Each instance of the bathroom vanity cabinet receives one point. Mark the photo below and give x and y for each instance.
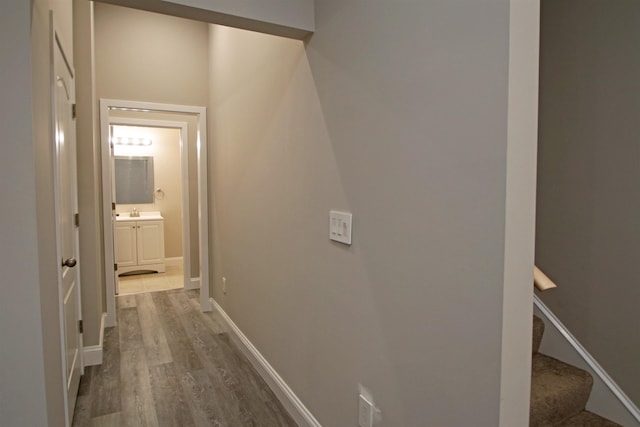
(139, 243)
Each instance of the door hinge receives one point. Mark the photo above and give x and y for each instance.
(73, 111)
(113, 206)
(115, 267)
(76, 219)
(80, 326)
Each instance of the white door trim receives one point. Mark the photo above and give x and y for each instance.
(184, 166)
(203, 214)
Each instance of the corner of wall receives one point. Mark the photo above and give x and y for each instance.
(520, 212)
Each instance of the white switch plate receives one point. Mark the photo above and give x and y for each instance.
(365, 412)
(340, 227)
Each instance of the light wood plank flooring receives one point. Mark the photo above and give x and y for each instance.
(168, 364)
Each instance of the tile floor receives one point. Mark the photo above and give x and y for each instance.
(152, 282)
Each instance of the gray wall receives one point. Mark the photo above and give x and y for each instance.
(398, 115)
(588, 238)
(22, 372)
(292, 13)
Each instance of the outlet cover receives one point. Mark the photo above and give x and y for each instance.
(365, 412)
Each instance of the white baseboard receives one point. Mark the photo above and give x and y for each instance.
(110, 319)
(176, 261)
(287, 397)
(92, 355)
(194, 283)
(607, 398)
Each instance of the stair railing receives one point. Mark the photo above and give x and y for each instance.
(541, 281)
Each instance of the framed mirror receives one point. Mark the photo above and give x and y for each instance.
(133, 179)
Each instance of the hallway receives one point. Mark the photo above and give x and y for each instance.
(168, 364)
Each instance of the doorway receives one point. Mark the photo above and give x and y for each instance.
(114, 113)
(158, 150)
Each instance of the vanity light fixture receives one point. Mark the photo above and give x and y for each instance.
(124, 140)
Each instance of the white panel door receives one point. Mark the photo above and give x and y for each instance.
(150, 242)
(125, 237)
(67, 232)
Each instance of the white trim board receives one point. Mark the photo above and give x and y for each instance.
(607, 398)
(93, 353)
(173, 261)
(287, 397)
(194, 283)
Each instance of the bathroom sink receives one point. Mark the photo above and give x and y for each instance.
(144, 216)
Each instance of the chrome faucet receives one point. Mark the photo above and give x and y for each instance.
(134, 213)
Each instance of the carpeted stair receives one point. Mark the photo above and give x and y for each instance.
(559, 392)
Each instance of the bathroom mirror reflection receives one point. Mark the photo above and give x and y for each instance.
(133, 179)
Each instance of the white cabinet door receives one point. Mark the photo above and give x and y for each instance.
(125, 244)
(150, 242)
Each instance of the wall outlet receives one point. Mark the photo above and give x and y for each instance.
(224, 285)
(365, 412)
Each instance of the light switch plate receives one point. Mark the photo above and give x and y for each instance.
(340, 227)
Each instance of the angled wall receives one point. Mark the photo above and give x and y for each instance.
(288, 18)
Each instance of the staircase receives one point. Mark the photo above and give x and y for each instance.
(559, 392)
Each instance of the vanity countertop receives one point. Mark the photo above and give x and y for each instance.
(144, 216)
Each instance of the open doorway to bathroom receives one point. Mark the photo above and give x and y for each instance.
(150, 209)
(131, 124)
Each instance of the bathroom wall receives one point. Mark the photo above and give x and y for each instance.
(165, 150)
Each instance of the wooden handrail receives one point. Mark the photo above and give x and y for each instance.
(541, 281)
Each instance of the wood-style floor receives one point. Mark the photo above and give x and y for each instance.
(168, 364)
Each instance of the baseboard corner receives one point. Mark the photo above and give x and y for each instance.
(92, 354)
(283, 392)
